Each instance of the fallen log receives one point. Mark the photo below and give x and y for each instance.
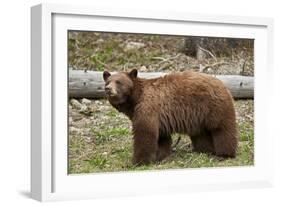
(90, 84)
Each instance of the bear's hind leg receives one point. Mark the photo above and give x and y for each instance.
(203, 143)
(164, 147)
(225, 142)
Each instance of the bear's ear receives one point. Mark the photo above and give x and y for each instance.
(106, 74)
(133, 74)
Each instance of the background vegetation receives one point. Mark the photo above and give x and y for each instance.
(100, 138)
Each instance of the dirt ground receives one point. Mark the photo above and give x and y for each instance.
(100, 138)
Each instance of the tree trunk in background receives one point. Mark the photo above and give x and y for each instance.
(205, 47)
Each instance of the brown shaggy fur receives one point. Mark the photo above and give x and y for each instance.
(191, 103)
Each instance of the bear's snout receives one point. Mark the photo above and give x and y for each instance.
(110, 91)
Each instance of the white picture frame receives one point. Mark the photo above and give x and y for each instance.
(49, 178)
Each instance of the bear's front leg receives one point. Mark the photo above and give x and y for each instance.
(145, 141)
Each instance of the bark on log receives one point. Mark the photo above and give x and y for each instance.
(90, 84)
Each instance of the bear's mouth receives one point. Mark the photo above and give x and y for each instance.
(111, 95)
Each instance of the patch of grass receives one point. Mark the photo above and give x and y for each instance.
(78, 150)
(101, 57)
(97, 161)
(246, 132)
(112, 148)
(109, 134)
(112, 113)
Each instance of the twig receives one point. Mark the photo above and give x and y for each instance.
(186, 145)
(159, 58)
(165, 60)
(213, 65)
(177, 142)
(210, 53)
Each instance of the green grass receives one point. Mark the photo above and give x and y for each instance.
(107, 51)
(111, 148)
(109, 134)
(112, 113)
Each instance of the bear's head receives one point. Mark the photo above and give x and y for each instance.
(119, 86)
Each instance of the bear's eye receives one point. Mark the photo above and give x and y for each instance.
(118, 82)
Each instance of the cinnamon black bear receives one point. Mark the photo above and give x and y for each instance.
(191, 103)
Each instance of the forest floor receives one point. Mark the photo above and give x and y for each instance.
(100, 138)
